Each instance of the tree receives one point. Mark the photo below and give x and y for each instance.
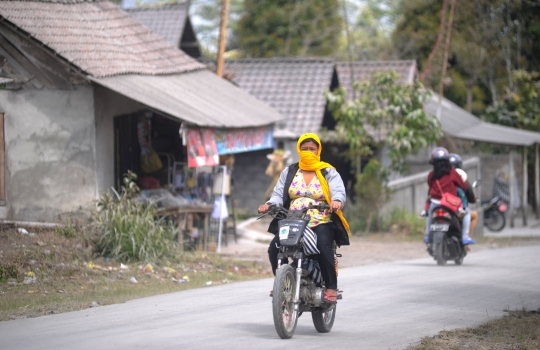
(490, 39)
(206, 16)
(387, 114)
(370, 25)
(520, 107)
(269, 28)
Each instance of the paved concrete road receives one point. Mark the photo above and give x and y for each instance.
(386, 306)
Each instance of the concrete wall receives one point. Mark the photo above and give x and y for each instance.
(109, 104)
(250, 181)
(50, 159)
(411, 192)
(493, 165)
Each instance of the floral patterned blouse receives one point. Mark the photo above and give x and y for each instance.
(303, 195)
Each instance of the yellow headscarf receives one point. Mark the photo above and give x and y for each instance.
(312, 162)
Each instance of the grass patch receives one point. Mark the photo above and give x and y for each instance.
(46, 273)
(516, 330)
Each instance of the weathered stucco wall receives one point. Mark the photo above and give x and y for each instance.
(250, 182)
(109, 104)
(50, 158)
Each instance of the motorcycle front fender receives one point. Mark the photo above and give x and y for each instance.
(438, 237)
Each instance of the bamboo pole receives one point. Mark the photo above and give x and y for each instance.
(437, 42)
(511, 187)
(525, 185)
(222, 37)
(537, 179)
(445, 59)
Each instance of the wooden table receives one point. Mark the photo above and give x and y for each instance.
(181, 220)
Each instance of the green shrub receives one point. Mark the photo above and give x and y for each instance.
(69, 229)
(371, 194)
(127, 229)
(402, 221)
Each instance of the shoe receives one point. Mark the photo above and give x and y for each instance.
(271, 294)
(426, 240)
(468, 241)
(330, 298)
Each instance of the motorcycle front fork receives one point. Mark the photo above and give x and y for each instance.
(296, 299)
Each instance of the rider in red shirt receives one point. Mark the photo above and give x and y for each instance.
(446, 176)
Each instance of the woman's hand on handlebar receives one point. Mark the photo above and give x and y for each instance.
(335, 206)
(263, 209)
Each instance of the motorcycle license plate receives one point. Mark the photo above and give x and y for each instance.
(440, 227)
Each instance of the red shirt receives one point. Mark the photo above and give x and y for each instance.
(449, 183)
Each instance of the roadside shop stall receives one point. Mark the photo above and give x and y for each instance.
(186, 171)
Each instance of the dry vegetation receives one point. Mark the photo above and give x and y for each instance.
(516, 330)
(44, 272)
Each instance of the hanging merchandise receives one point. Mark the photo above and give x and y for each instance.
(210, 148)
(218, 185)
(150, 161)
(220, 208)
(196, 154)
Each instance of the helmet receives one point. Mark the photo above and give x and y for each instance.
(439, 153)
(455, 161)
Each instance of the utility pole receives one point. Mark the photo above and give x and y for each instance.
(446, 50)
(222, 37)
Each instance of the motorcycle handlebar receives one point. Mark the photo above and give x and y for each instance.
(275, 210)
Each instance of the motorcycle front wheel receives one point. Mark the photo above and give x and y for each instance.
(323, 319)
(285, 317)
(494, 220)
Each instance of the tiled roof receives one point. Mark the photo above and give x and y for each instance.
(97, 37)
(293, 86)
(166, 21)
(362, 71)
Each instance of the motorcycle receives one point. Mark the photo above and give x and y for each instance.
(298, 285)
(494, 209)
(445, 237)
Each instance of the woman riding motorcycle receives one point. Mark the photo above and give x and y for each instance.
(311, 181)
(442, 179)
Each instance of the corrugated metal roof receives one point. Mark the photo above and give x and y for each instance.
(98, 37)
(293, 86)
(362, 71)
(459, 123)
(166, 21)
(198, 97)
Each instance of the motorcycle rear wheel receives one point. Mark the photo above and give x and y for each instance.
(323, 319)
(439, 254)
(285, 317)
(494, 220)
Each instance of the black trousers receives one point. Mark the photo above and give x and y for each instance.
(325, 239)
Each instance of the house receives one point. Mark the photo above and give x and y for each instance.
(77, 78)
(295, 88)
(172, 23)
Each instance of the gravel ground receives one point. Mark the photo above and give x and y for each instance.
(363, 250)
